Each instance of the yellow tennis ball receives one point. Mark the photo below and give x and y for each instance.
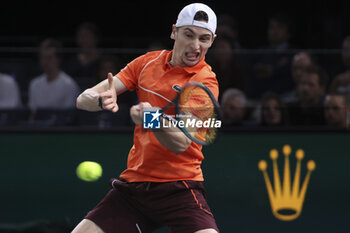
(89, 171)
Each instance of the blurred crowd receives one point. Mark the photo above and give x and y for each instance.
(277, 85)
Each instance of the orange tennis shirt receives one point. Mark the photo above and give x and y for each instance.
(154, 79)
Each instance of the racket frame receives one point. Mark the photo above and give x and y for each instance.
(178, 113)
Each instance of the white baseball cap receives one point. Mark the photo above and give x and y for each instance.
(186, 17)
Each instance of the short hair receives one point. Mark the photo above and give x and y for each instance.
(54, 44)
(321, 73)
(312, 57)
(201, 16)
(233, 92)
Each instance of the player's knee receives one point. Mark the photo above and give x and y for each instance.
(206, 231)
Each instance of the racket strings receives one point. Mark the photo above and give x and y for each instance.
(195, 103)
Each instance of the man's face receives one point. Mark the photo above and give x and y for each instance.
(335, 111)
(309, 88)
(272, 112)
(233, 109)
(191, 44)
(86, 39)
(48, 60)
(222, 51)
(299, 63)
(277, 32)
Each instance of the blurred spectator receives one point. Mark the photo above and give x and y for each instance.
(54, 89)
(155, 46)
(228, 28)
(233, 105)
(336, 110)
(300, 62)
(273, 112)
(308, 109)
(341, 83)
(225, 57)
(106, 119)
(84, 65)
(9, 93)
(271, 67)
(226, 64)
(108, 63)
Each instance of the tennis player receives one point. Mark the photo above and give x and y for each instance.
(163, 182)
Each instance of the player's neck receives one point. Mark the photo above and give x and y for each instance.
(176, 62)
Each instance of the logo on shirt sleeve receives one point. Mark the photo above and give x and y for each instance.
(151, 118)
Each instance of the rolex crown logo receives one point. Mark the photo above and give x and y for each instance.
(287, 200)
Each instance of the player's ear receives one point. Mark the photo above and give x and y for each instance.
(212, 40)
(214, 37)
(173, 31)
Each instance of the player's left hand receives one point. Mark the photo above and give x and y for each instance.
(109, 97)
(136, 112)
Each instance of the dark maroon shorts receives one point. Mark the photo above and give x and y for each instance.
(143, 207)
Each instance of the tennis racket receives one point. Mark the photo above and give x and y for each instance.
(197, 113)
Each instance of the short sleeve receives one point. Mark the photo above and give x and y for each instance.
(130, 73)
(208, 78)
(213, 85)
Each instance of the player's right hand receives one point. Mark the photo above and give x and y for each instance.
(136, 112)
(109, 97)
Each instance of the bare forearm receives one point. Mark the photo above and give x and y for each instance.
(173, 139)
(107, 90)
(88, 100)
